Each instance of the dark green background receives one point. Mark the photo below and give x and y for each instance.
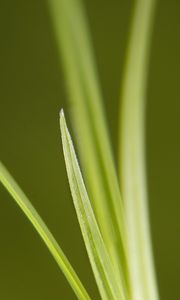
(32, 91)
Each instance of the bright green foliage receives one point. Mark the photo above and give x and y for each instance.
(115, 232)
(88, 121)
(132, 154)
(12, 187)
(103, 270)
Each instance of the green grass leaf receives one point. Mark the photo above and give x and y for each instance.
(103, 270)
(12, 187)
(89, 125)
(132, 153)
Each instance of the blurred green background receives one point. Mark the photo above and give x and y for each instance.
(32, 92)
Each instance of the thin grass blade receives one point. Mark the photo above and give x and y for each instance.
(87, 115)
(18, 195)
(103, 270)
(132, 153)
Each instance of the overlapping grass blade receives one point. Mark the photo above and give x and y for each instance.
(132, 153)
(87, 115)
(12, 187)
(104, 274)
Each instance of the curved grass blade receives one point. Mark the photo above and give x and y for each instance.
(132, 153)
(88, 120)
(12, 187)
(103, 271)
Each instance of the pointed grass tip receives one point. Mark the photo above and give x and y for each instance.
(61, 113)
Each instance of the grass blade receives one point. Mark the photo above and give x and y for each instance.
(132, 153)
(98, 255)
(88, 120)
(9, 183)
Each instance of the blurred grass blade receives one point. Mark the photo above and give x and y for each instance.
(132, 153)
(88, 120)
(99, 258)
(21, 199)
